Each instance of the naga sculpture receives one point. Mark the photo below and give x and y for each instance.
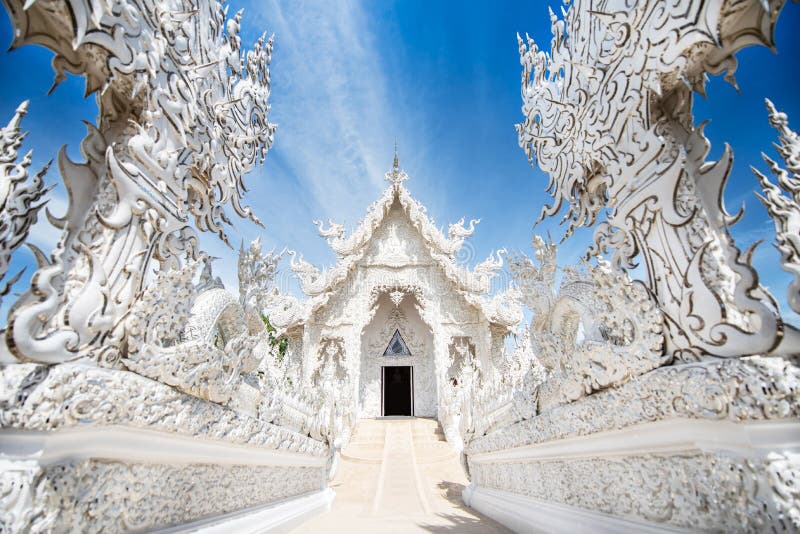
(598, 330)
(162, 344)
(115, 337)
(644, 378)
(183, 116)
(608, 117)
(207, 343)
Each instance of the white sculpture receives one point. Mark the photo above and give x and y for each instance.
(599, 330)
(668, 405)
(785, 210)
(183, 116)
(166, 344)
(609, 118)
(170, 388)
(20, 199)
(512, 397)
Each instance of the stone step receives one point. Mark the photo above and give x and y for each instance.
(368, 437)
(437, 434)
(427, 453)
(361, 457)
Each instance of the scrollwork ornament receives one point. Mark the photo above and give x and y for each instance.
(183, 118)
(784, 209)
(21, 196)
(608, 117)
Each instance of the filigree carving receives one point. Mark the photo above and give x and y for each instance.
(749, 389)
(207, 279)
(783, 472)
(488, 405)
(183, 117)
(785, 210)
(201, 366)
(597, 331)
(534, 283)
(396, 322)
(608, 117)
(631, 342)
(69, 395)
(20, 198)
(102, 496)
(694, 490)
(393, 237)
(256, 277)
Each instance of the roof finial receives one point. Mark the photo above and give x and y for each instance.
(396, 176)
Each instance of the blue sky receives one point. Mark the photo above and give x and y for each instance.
(349, 77)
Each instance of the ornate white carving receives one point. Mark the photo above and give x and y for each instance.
(418, 339)
(534, 283)
(395, 239)
(599, 330)
(693, 490)
(750, 389)
(183, 117)
(207, 364)
(783, 470)
(490, 404)
(207, 279)
(256, 278)
(108, 496)
(631, 342)
(20, 200)
(35, 397)
(785, 210)
(608, 117)
(397, 297)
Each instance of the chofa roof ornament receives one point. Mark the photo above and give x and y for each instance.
(396, 176)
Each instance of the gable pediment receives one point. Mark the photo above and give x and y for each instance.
(396, 243)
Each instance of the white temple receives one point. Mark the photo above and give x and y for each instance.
(138, 394)
(397, 313)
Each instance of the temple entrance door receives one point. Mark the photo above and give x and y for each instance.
(398, 390)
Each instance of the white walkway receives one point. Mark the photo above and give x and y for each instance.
(399, 475)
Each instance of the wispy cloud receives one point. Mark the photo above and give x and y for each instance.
(336, 126)
(331, 103)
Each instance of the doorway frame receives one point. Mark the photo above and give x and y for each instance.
(383, 389)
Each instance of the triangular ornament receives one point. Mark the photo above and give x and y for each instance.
(397, 346)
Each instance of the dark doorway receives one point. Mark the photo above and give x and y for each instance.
(398, 391)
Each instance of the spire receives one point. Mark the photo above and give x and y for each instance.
(396, 176)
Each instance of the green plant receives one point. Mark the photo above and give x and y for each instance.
(281, 342)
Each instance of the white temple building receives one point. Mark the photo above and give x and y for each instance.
(397, 313)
